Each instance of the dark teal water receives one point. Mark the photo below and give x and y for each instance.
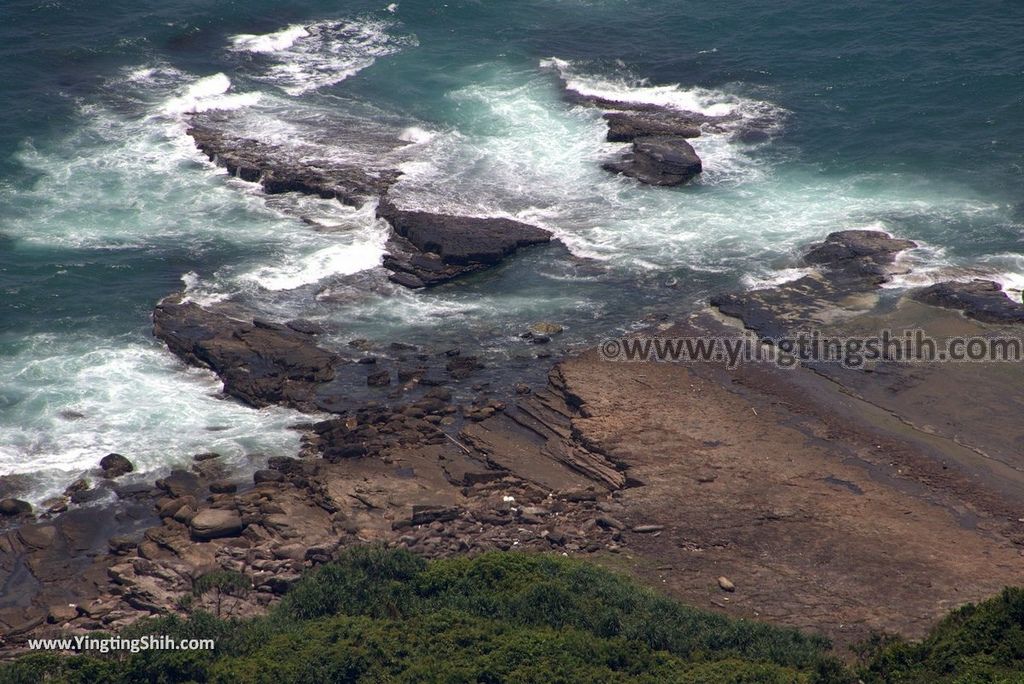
(907, 117)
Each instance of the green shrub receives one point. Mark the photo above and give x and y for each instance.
(387, 615)
(976, 643)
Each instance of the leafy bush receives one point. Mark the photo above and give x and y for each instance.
(976, 643)
(387, 615)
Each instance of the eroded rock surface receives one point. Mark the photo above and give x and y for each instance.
(849, 267)
(658, 160)
(279, 171)
(982, 300)
(429, 249)
(260, 363)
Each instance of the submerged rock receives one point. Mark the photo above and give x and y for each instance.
(545, 328)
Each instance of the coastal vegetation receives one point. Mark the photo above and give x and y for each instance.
(380, 614)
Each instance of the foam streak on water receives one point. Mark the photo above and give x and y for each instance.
(299, 59)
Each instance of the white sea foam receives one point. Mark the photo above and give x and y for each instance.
(207, 94)
(630, 89)
(269, 42)
(306, 58)
(344, 255)
(86, 397)
(522, 153)
(759, 281)
(1007, 269)
(416, 135)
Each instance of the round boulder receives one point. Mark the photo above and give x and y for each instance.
(213, 523)
(12, 507)
(115, 465)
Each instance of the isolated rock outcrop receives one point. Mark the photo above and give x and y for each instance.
(628, 126)
(115, 465)
(659, 160)
(429, 249)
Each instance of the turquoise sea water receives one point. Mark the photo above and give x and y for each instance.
(907, 117)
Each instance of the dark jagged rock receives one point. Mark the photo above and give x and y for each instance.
(628, 126)
(258, 365)
(859, 252)
(659, 160)
(982, 300)
(429, 249)
(115, 465)
(277, 172)
(848, 262)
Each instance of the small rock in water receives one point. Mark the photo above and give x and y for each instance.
(210, 455)
(726, 585)
(79, 485)
(58, 504)
(647, 529)
(380, 378)
(301, 325)
(115, 465)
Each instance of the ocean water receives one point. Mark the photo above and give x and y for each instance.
(907, 117)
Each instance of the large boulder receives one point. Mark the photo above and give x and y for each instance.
(429, 248)
(260, 364)
(213, 523)
(659, 160)
(115, 465)
(14, 507)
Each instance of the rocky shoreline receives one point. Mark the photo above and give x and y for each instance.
(766, 493)
(562, 467)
